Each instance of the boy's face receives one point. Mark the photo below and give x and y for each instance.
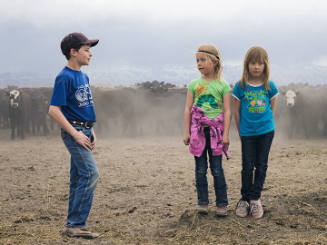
(82, 56)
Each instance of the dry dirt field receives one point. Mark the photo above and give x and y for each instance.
(146, 194)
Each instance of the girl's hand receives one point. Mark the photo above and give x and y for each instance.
(225, 140)
(187, 139)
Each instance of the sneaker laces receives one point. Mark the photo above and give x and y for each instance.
(255, 208)
(222, 208)
(242, 204)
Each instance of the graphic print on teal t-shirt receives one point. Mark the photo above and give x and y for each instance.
(256, 99)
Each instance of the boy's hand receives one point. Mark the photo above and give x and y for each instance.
(83, 140)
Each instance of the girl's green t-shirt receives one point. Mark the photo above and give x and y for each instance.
(209, 95)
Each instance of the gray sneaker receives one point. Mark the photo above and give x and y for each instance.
(221, 211)
(79, 232)
(242, 209)
(256, 209)
(202, 209)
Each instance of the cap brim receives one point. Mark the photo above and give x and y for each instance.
(92, 43)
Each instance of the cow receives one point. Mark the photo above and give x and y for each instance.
(116, 111)
(290, 96)
(39, 109)
(4, 111)
(306, 111)
(16, 113)
(133, 112)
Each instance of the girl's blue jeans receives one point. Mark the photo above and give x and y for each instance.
(201, 166)
(255, 152)
(83, 179)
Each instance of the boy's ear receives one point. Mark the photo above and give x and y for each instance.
(72, 52)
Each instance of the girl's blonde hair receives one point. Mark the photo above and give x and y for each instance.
(260, 55)
(214, 55)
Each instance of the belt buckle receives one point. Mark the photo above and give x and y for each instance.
(88, 125)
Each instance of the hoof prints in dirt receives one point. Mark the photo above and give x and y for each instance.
(302, 218)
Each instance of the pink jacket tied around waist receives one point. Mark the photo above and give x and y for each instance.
(198, 139)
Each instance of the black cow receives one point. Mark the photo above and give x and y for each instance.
(39, 109)
(4, 112)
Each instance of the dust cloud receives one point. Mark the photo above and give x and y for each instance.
(156, 112)
(130, 112)
(134, 112)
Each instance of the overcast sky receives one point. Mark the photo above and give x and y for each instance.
(143, 38)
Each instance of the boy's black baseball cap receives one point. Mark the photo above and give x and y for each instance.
(76, 40)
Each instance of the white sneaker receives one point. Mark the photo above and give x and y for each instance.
(202, 209)
(242, 208)
(221, 211)
(256, 209)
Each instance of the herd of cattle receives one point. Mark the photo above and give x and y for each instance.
(24, 111)
(145, 111)
(302, 111)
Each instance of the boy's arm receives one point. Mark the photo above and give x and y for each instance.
(227, 117)
(237, 105)
(79, 137)
(93, 139)
(187, 116)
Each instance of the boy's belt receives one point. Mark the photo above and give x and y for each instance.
(83, 124)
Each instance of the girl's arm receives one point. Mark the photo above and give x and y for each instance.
(227, 117)
(273, 104)
(187, 116)
(237, 105)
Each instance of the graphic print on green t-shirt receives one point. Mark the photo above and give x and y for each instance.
(209, 99)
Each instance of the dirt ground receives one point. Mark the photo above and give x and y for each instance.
(146, 194)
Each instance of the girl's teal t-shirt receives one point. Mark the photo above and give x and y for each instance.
(256, 116)
(209, 95)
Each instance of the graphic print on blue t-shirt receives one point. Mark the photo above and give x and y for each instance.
(256, 99)
(83, 95)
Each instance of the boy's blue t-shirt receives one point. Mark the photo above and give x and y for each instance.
(72, 93)
(256, 116)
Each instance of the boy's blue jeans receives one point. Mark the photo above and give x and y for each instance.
(83, 179)
(255, 152)
(201, 166)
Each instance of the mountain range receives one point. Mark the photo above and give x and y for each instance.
(127, 75)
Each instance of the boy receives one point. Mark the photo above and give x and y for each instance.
(72, 108)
